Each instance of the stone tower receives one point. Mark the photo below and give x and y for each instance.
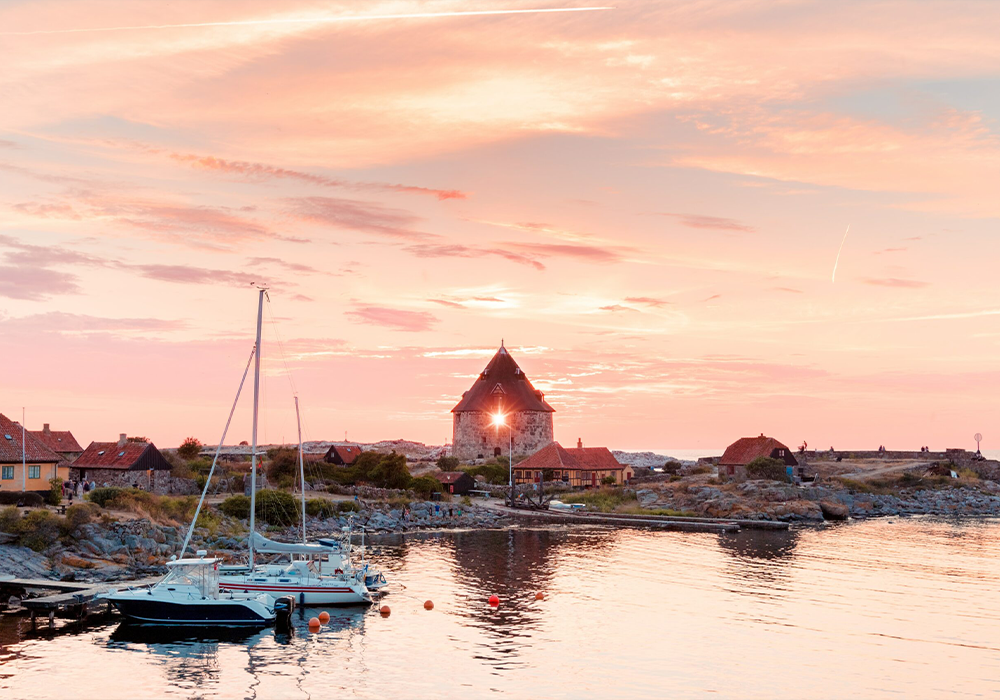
(502, 388)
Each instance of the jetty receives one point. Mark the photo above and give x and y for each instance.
(73, 599)
(660, 522)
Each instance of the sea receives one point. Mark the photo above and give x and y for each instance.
(888, 608)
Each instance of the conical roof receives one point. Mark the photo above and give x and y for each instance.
(502, 386)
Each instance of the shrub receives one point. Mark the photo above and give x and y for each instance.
(104, 495)
(609, 481)
(39, 530)
(77, 515)
(236, 507)
(190, 448)
(425, 486)
(493, 472)
(767, 468)
(321, 508)
(447, 464)
(26, 499)
(282, 466)
(277, 508)
(9, 519)
(348, 507)
(672, 466)
(54, 496)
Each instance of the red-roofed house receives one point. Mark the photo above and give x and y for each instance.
(342, 454)
(577, 466)
(456, 482)
(737, 456)
(29, 469)
(124, 463)
(61, 442)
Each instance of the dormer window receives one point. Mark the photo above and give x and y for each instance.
(101, 452)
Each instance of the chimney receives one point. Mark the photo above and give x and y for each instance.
(122, 439)
(579, 443)
(45, 429)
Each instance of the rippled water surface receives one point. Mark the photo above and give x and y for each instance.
(904, 608)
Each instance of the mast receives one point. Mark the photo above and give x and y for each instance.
(24, 469)
(256, 401)
(302, 470)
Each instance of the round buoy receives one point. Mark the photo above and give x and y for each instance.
(385, 611)
(324, 617)
(428, 605)
(539, 596)
(314, 624)
(494, 600)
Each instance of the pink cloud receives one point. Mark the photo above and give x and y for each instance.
(648, 301)
(35, 283)
(897, 283)
(395, 319)
(457, 250)
(361, 216)
(716, 223)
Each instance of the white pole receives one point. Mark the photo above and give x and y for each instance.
(256, 399)
(24, 469)
(218, 449)
(302, 470)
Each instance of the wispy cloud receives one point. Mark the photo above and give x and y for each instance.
(357, 215)
(35, 283)
(395, 319)
(259, 171)
(457, 250)
(716, 223)
(895, 282)
(586, 253)
(648, 301)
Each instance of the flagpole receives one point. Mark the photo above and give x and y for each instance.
(24, 469)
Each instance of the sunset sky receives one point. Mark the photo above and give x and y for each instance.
(645, 203)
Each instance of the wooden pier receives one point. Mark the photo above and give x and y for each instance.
(661, 522)
(72, 599)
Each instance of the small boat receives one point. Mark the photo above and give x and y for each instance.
(302, 578)
(190, 595)
(559, 505)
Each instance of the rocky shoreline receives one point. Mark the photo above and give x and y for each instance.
(768, 500)
(108, 551)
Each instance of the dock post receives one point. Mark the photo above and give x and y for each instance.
(52, 619)
(32, 620)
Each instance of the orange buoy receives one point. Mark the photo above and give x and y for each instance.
(385, 611)
(428, 605)
(539, 596)
(324, 617)
(314, 624)
(494, 600)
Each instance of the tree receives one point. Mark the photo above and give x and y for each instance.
(767, 468)
(391, 472)
(283, 466)
(447, 464)
(190, 448)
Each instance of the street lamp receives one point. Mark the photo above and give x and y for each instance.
(498, 420)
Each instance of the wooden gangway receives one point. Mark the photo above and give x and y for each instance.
(74, 598)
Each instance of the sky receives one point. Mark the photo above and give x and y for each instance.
(644, 203)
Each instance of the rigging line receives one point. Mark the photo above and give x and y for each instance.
(215, 460)
(281, 349)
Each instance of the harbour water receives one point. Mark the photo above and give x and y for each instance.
(876, 609)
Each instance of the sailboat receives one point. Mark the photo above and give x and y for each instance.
(190, 593)
(300, 578)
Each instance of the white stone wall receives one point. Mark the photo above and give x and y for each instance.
(474, 436)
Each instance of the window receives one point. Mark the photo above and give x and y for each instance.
(8, 473)
(34, 471)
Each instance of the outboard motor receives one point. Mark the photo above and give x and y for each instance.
(283, 609)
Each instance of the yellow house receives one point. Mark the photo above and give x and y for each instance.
(28, 468)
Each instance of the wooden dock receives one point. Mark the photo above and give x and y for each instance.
(69, 598)
(661, 522)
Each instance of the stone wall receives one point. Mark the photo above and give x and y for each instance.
(475, 437)
(159, 482)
